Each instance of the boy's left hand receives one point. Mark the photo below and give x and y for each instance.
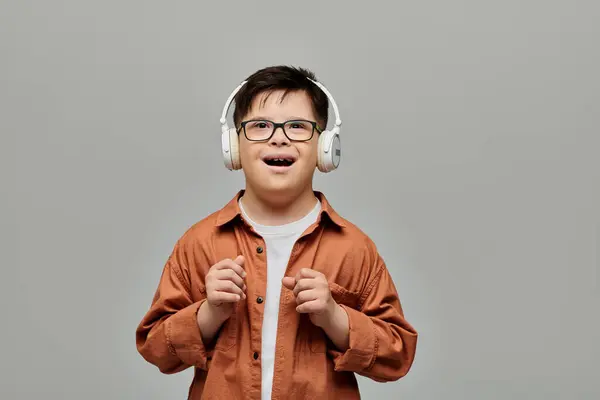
(313, 295)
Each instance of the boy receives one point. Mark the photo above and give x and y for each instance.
(276, 296)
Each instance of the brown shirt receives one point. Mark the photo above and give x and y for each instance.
(307, 364)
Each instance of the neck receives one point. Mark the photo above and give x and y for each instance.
(269, 209)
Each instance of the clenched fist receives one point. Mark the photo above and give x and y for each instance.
(225, 286)
(313, 295)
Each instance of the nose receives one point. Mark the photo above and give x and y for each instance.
(279, 138)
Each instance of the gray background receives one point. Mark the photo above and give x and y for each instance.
(470, 138)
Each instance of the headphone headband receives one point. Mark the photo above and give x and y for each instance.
(338, 120)
(223, 120)
(228, 104)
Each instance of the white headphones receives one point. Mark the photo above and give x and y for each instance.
(329, 150)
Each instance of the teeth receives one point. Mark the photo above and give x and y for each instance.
(279, 160)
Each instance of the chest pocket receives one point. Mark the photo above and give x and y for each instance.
(344, 296)
(341, 295)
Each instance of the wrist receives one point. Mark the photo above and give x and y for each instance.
(209, 321)
(333, 317)
(213, 314)
(340, 317)
(336, 327)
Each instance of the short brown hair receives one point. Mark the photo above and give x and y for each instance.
(281, 77)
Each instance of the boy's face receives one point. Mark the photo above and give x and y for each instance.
(264, 173)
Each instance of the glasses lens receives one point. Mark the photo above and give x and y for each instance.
(299, 130)
(259, 130)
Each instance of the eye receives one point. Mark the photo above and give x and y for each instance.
(299, 125)
(259, 125)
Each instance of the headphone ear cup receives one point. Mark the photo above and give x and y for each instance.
(234, 149)
(225, 149)
(329, 151)
(321, 152)
(230, 149)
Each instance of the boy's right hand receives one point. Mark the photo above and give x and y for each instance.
(225, 286)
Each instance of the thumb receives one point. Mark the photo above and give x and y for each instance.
(289, 282)
(239, 260)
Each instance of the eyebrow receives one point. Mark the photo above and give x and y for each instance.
(291, 118)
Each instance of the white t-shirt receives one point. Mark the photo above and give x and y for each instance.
(279, 241)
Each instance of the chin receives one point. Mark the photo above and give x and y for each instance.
(278, 188)
(273, 182)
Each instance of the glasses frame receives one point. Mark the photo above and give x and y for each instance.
(279, 125)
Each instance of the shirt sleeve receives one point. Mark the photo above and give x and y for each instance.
(168, 335)
(382, 343)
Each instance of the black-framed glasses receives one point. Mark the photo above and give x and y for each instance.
(298, 130)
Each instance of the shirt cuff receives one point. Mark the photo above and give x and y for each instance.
(360, 354)
(184, 338)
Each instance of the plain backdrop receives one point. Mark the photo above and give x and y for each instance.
(470, 155)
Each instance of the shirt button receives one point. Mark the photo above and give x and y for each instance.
(255, 356)
(259, 249)
(259, 300)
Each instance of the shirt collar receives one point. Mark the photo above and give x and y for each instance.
(232, 210)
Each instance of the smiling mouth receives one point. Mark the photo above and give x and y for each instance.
(279, 162)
